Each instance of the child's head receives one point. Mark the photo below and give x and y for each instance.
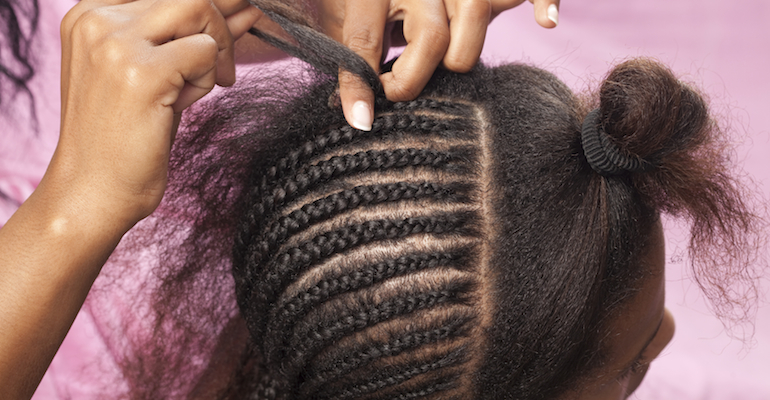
(466, 247)
(493, 239)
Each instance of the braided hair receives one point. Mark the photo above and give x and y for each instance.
(464, 248)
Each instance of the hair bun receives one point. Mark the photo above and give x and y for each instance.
(649, 113)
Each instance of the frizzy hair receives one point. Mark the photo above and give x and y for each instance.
(463, 248)
(19, 25)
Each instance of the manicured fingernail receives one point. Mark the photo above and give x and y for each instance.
(362, 116)
(553, 14)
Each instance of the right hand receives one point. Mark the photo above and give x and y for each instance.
(436, 32)
(128, 70)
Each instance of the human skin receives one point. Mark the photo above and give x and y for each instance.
(129, 68)
(449, 33)
(642, 326)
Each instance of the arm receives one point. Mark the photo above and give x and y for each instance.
(124, 83)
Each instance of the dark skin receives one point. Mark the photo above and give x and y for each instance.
(448, 33)
(129, 68)
(639, 333)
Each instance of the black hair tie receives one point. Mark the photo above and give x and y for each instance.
(604, 156)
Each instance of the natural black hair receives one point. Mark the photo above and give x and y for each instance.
(464, 248)
(18, 24)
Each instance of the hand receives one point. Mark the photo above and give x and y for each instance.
(437, 32)
(128, 70)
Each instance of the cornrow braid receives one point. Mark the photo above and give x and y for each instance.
(291, 187)
(412, 338)
(294, 308)
(429, 104)
(383, 126)
(386, 378)
(361, 250)
(447, 382)
(314, 336)
(359, 196)
(339, 166)
(293, 261)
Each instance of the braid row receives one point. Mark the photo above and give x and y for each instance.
(381, 127)
(365, 195)
(409, 340)
(288, 264)
(387, 378)
(314, 336)
(447, 383)
(335, 299)
(287, 313)
(348, 164)
(337, 167)
(444, 107)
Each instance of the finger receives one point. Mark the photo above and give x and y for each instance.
(427, 36)
(230, 7)
(362, 32)
(363, 29)
(468, 22)
(193, 60)
(546, 12)
(172, 19)
(499, 6)
(240, 22)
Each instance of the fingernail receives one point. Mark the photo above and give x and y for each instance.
(553, 14)
(362, 116)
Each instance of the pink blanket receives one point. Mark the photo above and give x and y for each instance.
(720, 46)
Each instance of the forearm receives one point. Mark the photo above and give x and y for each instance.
(51, 251)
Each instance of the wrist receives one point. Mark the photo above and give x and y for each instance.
(97, 198)
(76, 207)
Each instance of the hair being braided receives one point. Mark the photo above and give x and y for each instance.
(462, 249)
(333, 230)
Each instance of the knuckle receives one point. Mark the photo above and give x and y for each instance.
(204, 9)
(200, 5)
(209, 47)
(363, 41)
(72, 16)
(68, 21)
(127, 67)
(111, 52)
(402, 92)
(479, 6)
(461, 64)
(438, 35)
(90, 26)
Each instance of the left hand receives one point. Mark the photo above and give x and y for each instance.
(437, 32)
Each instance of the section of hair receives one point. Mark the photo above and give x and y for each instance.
(366, 247)
(463, 248)
(653, 115)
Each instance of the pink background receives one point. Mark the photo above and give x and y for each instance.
(723, 47)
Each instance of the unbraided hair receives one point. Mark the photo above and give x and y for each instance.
(462, 249)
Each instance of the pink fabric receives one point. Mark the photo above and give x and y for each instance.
(721, 46)
(24, 154)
